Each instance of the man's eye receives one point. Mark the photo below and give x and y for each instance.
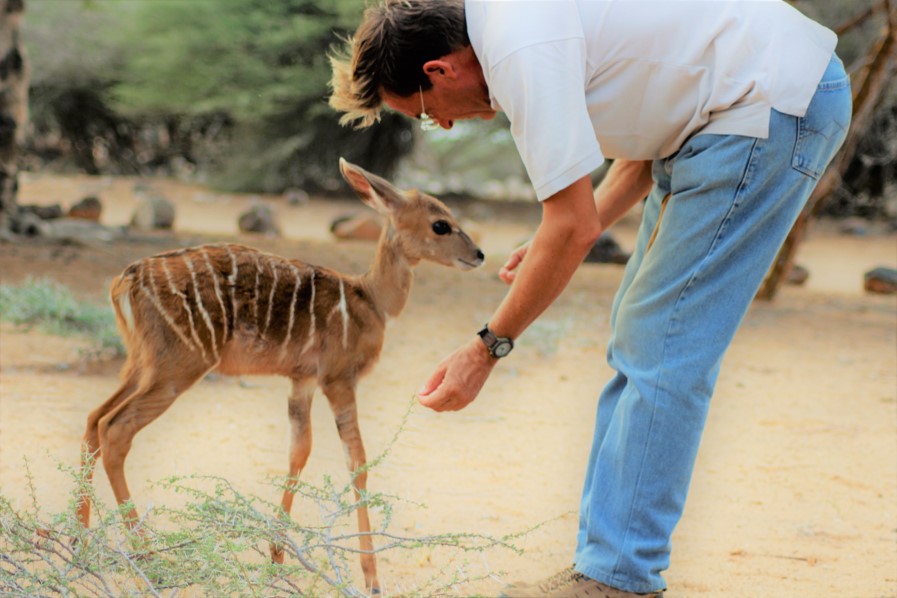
(441, 227)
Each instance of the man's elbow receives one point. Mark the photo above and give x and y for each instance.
(580, 234)
(572, 214)
(586, 234)
(584, 228)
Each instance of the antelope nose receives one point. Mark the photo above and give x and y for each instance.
(480, 255)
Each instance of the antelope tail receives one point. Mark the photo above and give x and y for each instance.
(120, 292)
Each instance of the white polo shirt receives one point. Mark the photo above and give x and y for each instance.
(581, 80)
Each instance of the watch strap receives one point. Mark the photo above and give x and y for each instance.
(498, 346)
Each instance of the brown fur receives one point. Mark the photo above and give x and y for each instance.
(242, 311)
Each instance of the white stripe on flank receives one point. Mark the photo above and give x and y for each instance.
(175, 291)
(345, 312)
(255, 295)
(232, 282)
(202, 309)
(214, 274)
(153, 296)
(124, 306)
(311, 313)
(273, 265)
(286, 340)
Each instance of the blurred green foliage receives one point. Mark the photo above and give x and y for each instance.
(248, 58)
(237, 87)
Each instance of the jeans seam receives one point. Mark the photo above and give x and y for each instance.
(797, 161)
(834, 85)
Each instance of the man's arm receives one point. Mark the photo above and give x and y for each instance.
(568, 229)
(626, 183)
(572, 220)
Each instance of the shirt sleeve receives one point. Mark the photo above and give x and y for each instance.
(541, 88)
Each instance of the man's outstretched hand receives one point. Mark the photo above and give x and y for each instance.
(458, 379)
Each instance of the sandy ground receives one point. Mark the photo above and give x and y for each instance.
(795, 491)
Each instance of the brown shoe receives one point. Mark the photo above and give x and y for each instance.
(569, 583)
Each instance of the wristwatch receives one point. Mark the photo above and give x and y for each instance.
(498, 346)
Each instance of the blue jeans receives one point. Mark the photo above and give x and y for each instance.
(731, 201)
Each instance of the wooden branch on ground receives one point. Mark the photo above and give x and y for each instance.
(869, 90)
(855, 21)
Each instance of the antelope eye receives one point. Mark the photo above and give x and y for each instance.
(441, 227)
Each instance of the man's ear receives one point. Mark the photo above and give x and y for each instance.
(440, 68)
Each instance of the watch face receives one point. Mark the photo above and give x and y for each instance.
(501, 349)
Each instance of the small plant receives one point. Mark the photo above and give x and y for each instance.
(53, 308)
(215, 545)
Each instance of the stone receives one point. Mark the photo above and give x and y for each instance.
(29, 224)
(798, 275)
(50, 212)
(881, 280)
(153, 213)
(606, 250)
(88, 208)
(258, 219)
(296, 197)
(80, 230)
(360, 227)
(856, 227)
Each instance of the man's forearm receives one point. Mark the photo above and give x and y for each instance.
(568, 229)
(627, 182)
(570, 225)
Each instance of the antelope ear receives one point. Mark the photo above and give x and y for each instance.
(375, 191)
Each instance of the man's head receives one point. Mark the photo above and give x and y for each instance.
(401, 49)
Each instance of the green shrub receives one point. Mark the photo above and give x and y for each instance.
(54, 309)
(217, 544)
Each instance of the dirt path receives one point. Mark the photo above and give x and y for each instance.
(795, 491)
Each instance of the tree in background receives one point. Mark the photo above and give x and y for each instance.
(14, 75)
(237, 89)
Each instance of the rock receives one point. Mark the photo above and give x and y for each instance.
(65, 230)
(82, 231)
(88, 208)
(259, 219)
(854, 226)
(50, 212)
(153, 213)
(606, 250)
(361, 227)
(881, 280)
(295, 197)
(28, 224)
(798, 275)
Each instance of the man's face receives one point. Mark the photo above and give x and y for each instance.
(444, 103)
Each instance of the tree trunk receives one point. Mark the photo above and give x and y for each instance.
(14, 80)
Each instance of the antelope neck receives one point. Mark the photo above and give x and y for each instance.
(389, 280)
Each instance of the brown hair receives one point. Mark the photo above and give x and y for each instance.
(388, 51)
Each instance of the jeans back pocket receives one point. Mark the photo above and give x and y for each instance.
(821, 131)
